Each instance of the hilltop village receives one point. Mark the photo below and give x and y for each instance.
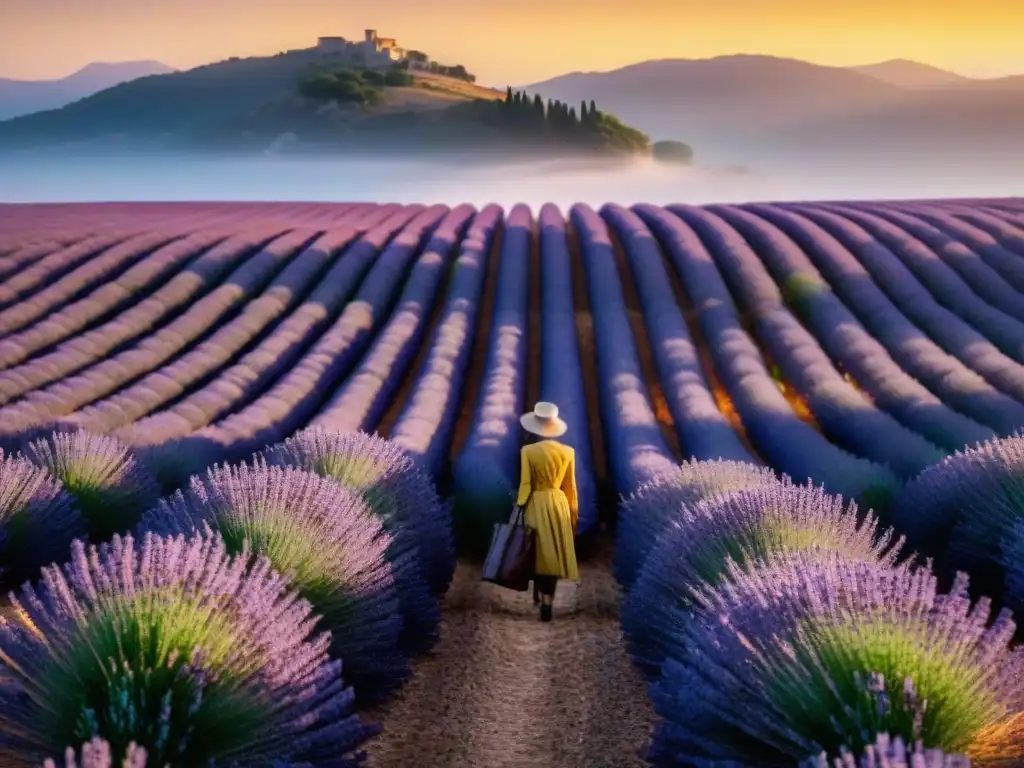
(375, 52)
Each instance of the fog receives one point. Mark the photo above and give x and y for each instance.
(79, 178)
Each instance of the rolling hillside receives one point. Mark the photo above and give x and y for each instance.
(23, 97)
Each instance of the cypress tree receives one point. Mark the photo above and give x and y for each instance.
(508, 94)
(593, 111)
(583, 111)
(538, 108)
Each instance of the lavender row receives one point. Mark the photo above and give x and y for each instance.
(98, 270)
(485, 475)
(361, 400)
(49, 268)
(273, 356)
(425, 425)
(62, 315)
(299, 392)
(943, 374)
(784, 441)
(870, 260)
(561, 372)
(134, 322)
(969, 242)
(636, 448)
(255, 319)
(40, 406)
(1006, 332)
(704, 432)
(843, 413)
(981, 277)
(19, 256)
(1003, 232)
(845, 340)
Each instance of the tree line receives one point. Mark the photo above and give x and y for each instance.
(588, 125)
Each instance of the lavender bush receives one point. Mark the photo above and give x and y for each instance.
(755, 524)
(324, 538)
(773, 667)
(398, 491)
(38, 519)
(645, 514)
(960, 510)
(197, 657)
(110, 486)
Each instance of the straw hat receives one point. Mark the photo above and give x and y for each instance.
(543, 421)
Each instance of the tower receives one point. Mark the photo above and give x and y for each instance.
(371, 35)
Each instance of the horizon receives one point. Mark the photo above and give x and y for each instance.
(971, 39)
(495, 84)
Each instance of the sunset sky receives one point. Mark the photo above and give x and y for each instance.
(516, 41)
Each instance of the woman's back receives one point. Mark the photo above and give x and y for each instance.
(549, 463)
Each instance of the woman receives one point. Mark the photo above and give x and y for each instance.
(547, 490)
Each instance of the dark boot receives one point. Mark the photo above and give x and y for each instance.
(545, 612)
(536, 594)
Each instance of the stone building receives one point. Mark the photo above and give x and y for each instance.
(371, 51)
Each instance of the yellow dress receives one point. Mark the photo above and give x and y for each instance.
(547, 488)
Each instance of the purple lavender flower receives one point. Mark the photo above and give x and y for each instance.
(110, 486)
(320, 535)
(888, 752)
(645, 513)
(38, 519)
(97, 754)
(752, 524)
(962, 508)
(400, 493)
(197, 657)
(772, 667)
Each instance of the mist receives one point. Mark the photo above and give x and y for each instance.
(61, 177)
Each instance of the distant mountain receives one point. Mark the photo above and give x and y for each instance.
(912, 74)
(768, 112)
(23, 97)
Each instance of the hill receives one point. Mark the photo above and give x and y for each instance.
(300, 98)
(23, 97)
(759, 110)
(912, 74)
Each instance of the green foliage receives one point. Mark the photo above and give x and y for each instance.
(948, 707)
(130, 668)
(350, 86)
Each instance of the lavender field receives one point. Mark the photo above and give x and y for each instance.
(252, 453)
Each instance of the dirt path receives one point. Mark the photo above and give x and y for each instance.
(503, 690)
